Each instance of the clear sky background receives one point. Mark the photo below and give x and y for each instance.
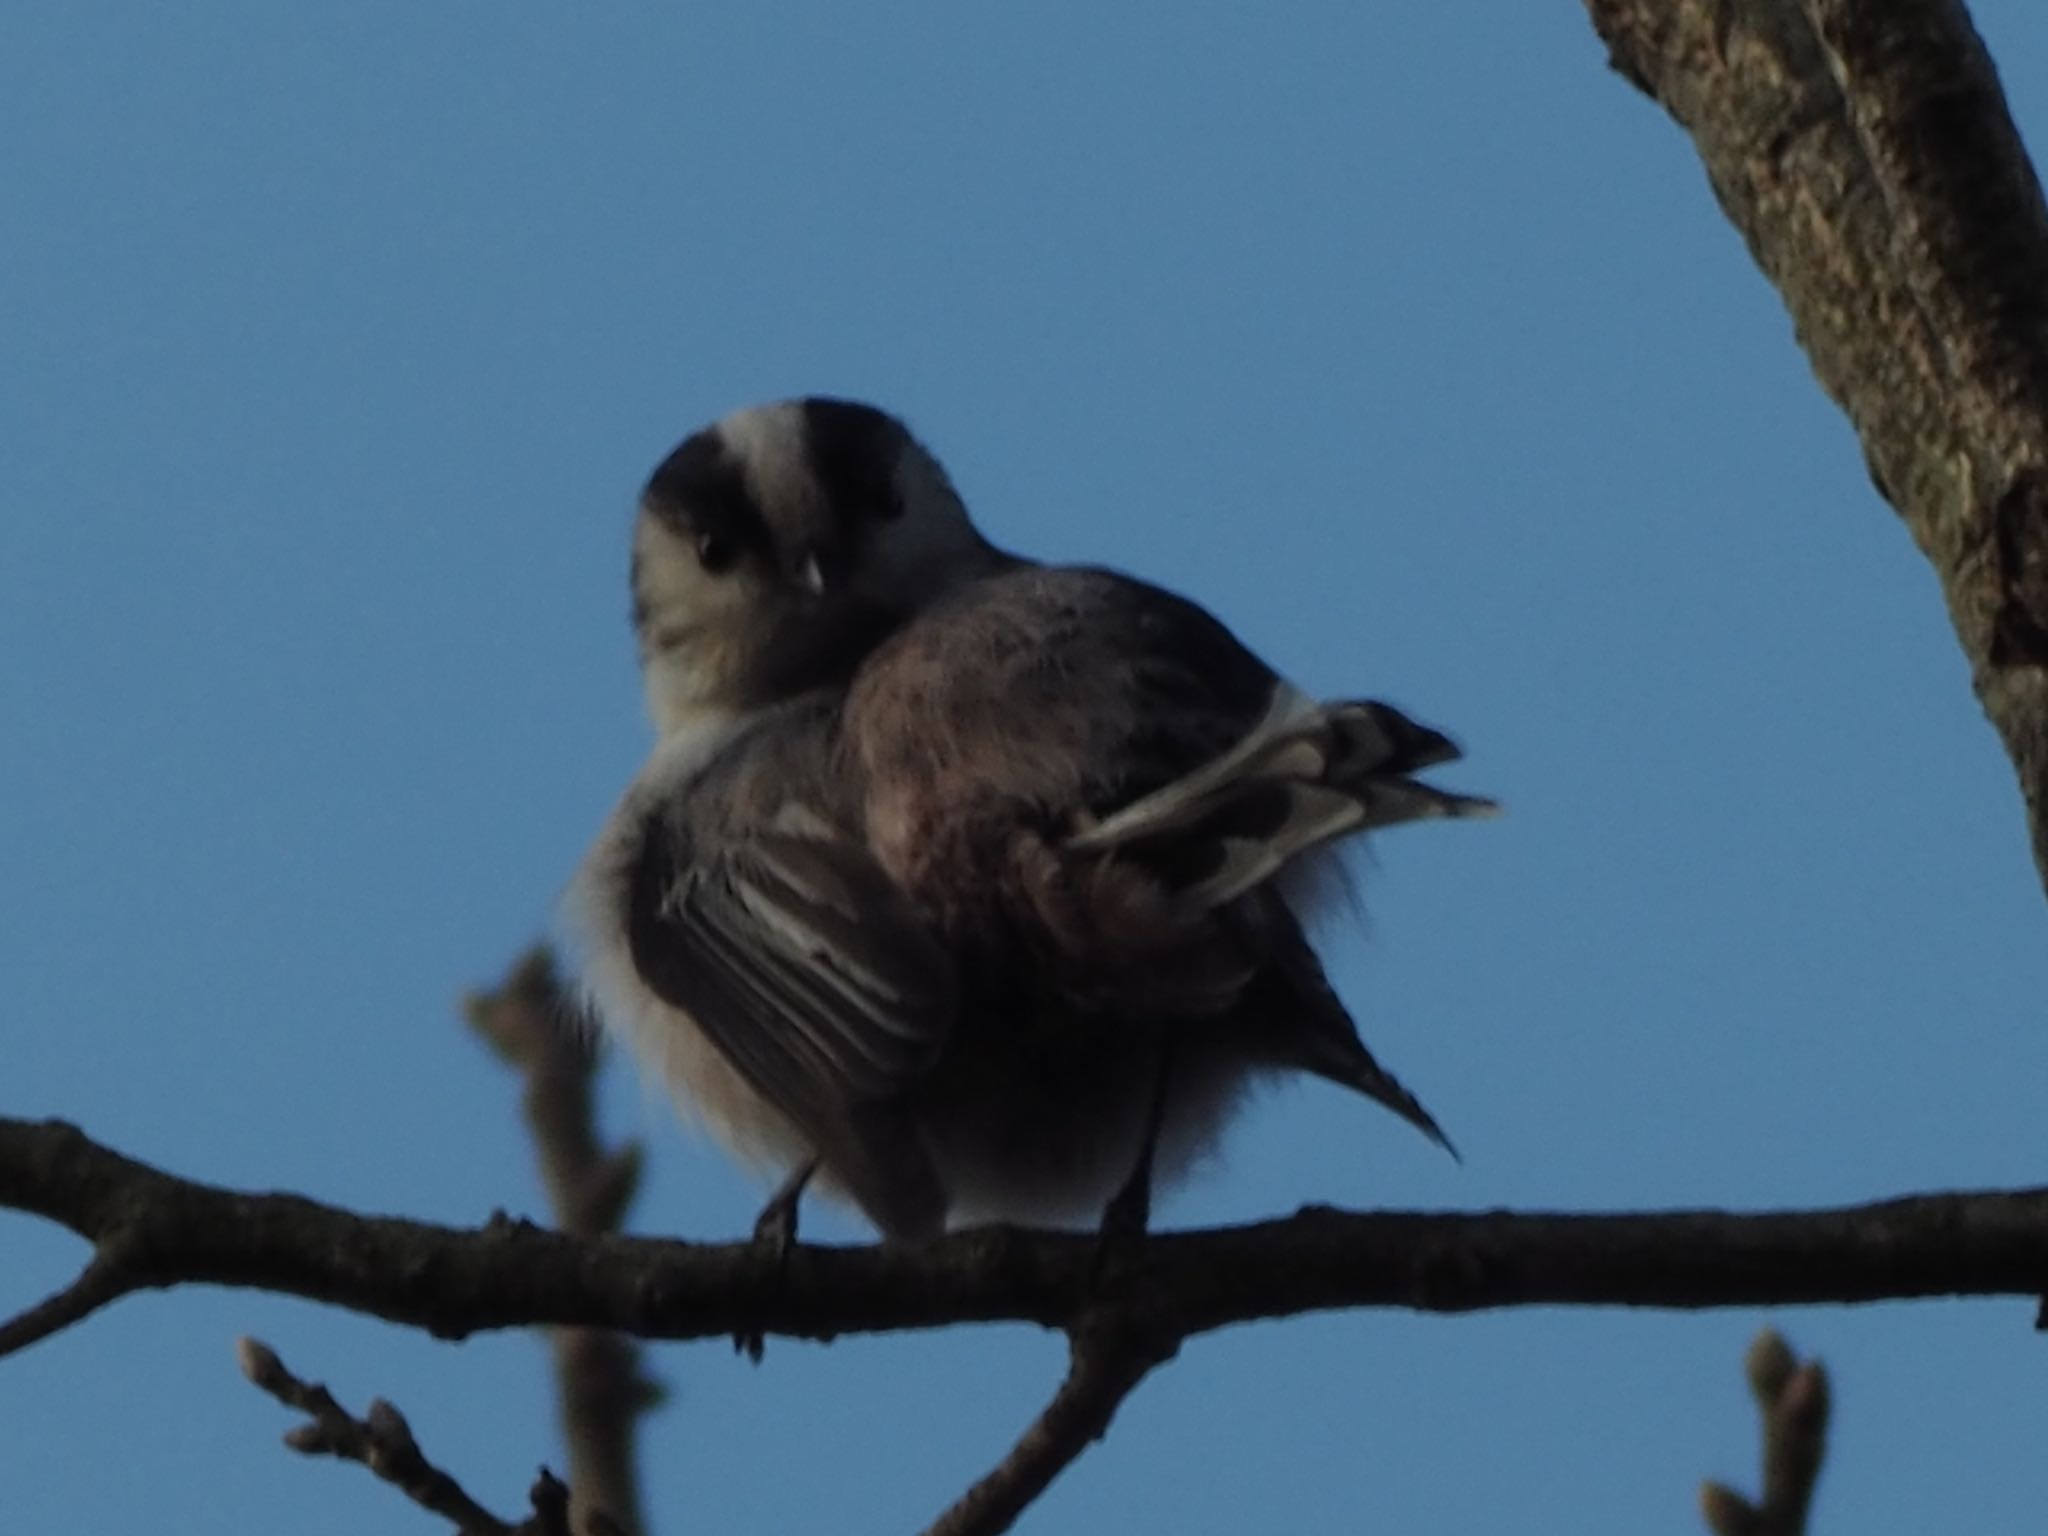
(1408, 338)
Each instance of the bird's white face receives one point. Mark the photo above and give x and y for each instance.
(776, 549)
(699, 627)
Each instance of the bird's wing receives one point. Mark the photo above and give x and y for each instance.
(801, 961)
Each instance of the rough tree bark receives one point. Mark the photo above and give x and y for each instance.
(1864, 150)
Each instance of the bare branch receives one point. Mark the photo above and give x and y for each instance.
(512, 1274)
(1793, 1401)
(532, 1027)
(101, 1281)
(1106, 1362)
(381, 1440)
(600, 1388)
(1864, 150)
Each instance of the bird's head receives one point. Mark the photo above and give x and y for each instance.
(777, 547)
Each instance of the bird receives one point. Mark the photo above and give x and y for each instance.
(970, 888)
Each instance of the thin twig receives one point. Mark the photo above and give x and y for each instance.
(1793, 1401)
(600, 1388)
(381, 1440)
(1106, 1363)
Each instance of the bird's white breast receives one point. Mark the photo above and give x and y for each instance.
(594, 922)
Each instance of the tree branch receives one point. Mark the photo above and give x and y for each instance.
(600, 1389)
(1864, 150)
(158, 1230)
(103, 1280)
(1107, 1360)
(382, 1441)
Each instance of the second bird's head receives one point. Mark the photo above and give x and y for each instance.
(777, 547)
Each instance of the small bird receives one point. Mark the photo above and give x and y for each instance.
(976, 888)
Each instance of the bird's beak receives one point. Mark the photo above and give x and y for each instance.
(810, 577)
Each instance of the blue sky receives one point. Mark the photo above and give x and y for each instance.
(1409, 339)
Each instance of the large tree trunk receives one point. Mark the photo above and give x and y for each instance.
(1864, 150)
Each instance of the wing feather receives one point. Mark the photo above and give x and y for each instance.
(801, 961)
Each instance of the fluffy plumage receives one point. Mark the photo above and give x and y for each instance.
(933, 923)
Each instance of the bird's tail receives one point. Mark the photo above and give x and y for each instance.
(1296, 1014)
(1356, 1069)
(1308, 774)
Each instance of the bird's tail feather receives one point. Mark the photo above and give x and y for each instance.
(1306, 1025)
(1356, 1069)
(1307, 774)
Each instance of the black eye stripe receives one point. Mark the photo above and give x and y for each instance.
(701, 493)
(855, 449)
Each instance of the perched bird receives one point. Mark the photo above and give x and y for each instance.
(987, 905)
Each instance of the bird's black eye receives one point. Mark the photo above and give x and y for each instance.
(888, 507)
(716, 553)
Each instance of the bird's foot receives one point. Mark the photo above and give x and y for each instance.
(774, 1238)
(1125, 1221)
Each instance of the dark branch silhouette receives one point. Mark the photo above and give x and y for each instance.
(1107, 1363)
(152, 1229)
